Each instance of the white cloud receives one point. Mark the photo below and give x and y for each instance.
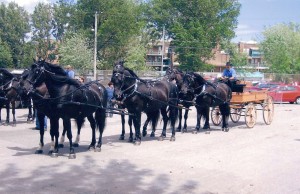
(245, 30)
(27, 4)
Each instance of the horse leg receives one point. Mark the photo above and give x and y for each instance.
(137, 126)
(206, 117)
(39, 150)
(122, 136)
(62, 138)
(67, 125)
(92, 121)
(179, 122)
(165, 122)
(199, 115)
(146, 125)
(13, 110)
(79, 122)
(7, 114)
(173, 117)
(100, 116)
(0, 115)
(154, 120)
(54, 125)
(186, 113)
(130, 120)
(225, 111)
(30, 117)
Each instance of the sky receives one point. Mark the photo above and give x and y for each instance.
(254, 16)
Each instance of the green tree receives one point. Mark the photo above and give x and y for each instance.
(135, 56)
(63, 12)
(281, 48)
(118, 21)
(237, 58)
(14, 25)
(5, 55)
(195, 26)
(42, 28)
(75, 51)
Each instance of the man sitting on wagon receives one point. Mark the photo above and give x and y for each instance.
(230, 74)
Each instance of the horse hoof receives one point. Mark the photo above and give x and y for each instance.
(98, 149)
(38, 152)
(91, 148)
(195, 132)
(60, 145)
(152, 135)
(207, 132)
(226, 129)
(144, 133)
(121, 137)
(14, 125)
(54, 155)
(178, 130)
(76, 145)
(172, 139)
(160, 138)
(72, 156)
(137, 142)
(5, 124)
(130, 140)
(206, 127)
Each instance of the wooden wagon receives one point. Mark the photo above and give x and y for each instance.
(246, 104)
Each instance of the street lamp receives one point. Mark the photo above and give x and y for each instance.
(95, 47)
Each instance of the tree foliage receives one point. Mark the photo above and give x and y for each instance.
(42, 29)
(281, 48)
(75, 51)
(118, 21)
(5, 55)
(196, 26)
(14, 25)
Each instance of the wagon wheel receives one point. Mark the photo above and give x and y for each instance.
(235, 114)
(268, 110)
(216, 116)
(250, 115)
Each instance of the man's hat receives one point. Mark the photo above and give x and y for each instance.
(228, 64)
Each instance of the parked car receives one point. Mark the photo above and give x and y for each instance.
(286, 93)
(266, 86)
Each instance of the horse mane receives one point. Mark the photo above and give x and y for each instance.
(60, 74)
(55, 68)
(132, 73)
(199, 78)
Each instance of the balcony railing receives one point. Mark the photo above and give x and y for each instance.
(153, 63)
(154, 53)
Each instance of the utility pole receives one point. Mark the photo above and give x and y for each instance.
(163, 49)
(95, 46)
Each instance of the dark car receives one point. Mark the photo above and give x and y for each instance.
(286, 93)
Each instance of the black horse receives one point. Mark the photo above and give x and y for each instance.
(8, 94)
(208, 95)
(25, 98)
(69, 99)
(176, 75)
(144, 96)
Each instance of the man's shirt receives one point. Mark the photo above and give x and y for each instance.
(229, 73)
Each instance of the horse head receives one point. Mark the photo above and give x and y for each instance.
(122, 78)
(188, 83)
